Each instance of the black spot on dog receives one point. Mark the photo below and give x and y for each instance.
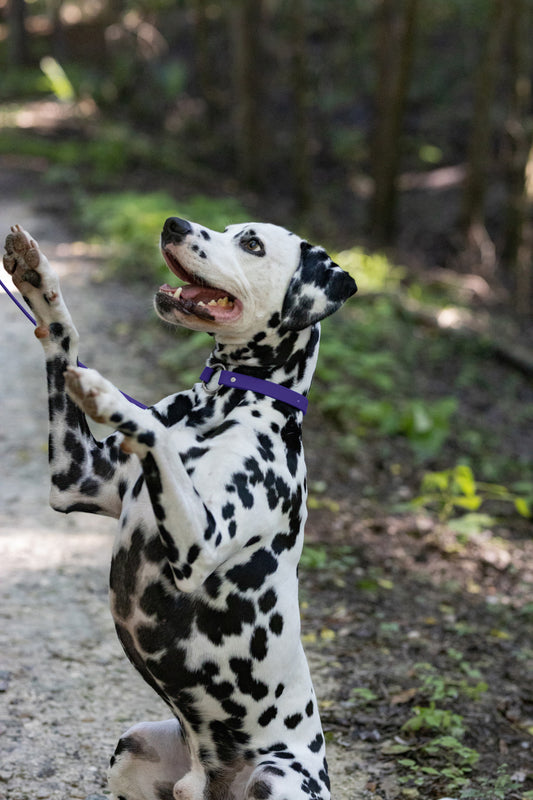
(216, 623)
(242, 667)
(267, 716)
(192, 555)
(258, 644)
(212, 585)
(147, 438)
(271, 770)
(90, 487)
(88, 508)
(211, 526)
(56, 330)
(139, 483)
(64, 480)
(176, 411)
(225, 426)
(266, 446)
(123, 574)
(292, 721)
(317, 743)
(240, 481)
(260, 790)
(268, 600)
(252, 574)
(276, 624)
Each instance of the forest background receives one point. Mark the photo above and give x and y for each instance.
(398, 134)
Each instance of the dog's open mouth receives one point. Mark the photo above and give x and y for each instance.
(196, 297)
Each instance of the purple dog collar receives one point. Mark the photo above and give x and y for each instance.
(234, 380)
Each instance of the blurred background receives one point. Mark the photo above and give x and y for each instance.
(398, 134)
(389, 122)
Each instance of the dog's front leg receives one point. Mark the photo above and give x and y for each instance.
(186, 525)
(86, 475)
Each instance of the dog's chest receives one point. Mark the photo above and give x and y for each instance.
(249, 469)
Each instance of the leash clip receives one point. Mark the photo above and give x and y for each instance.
(206, 376)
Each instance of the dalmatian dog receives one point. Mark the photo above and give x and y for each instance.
(209, 487)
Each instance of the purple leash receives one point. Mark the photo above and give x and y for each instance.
(233, 380)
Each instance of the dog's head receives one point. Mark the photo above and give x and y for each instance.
(251, 277)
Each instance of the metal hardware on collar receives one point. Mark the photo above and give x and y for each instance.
(235, 380)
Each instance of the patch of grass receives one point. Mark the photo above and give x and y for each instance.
(435, 732)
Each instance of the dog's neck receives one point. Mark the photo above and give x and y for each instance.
(287, 358)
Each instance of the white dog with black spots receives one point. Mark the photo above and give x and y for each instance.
(209, 487)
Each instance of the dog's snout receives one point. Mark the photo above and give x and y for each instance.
(175, 229)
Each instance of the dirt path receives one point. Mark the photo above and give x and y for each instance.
(66, 689)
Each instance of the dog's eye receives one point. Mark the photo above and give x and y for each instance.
(253, 245)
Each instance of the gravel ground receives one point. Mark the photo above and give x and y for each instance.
(66, 690)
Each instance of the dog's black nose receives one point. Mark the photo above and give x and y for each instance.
(175, 229)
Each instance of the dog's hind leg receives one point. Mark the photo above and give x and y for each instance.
(150, 758)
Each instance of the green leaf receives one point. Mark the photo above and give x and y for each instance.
(472, 503)
(464, 478)
(523, 507)
(438, 481)
(407, 762)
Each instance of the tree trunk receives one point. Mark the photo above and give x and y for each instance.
(517, 251)
(247, 36)
(479, 151)
(18, 39)
(300, 81)
(203, 66)
(396, 29)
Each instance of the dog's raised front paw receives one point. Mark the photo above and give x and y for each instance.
(95, 395)
(27, 265)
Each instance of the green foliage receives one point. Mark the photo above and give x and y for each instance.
(456, 488)
(21, 83)
(128, 225)
(438, 750)
(366, 388)
(499, 787)
(94, 162)
(439, 685)
(57, 78)
(374, 272)
(362, 695)
(338, 559)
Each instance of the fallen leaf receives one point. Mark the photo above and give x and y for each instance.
(403, 697)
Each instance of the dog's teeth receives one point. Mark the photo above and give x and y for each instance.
(223, 301)
(201, 303)
(178, 292)
(212, 303)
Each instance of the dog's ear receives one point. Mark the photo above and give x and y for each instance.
(317, 289)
